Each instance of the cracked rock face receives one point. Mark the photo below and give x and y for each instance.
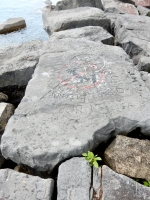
(16, 186)
(92, 33)
(80, 92)
(132, 34)
(17, 64)
(74, 18)
(129, 156)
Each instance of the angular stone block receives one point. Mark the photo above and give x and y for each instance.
(20, 186)
(129, 156)
(114, 186)
(12, 24)
(132, 34)
(17, 64)
(74, 18)
(74, 180)
(71, 4)
(92, 33)
(114, 6)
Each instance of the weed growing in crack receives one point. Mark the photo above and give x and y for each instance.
(91, 158)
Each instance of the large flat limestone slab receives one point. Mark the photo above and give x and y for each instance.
(17, 186)
(74, 18)
(80, 92)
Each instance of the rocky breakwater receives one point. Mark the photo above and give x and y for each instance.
(83, 91)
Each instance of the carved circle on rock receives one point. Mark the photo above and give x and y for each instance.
(81, 73)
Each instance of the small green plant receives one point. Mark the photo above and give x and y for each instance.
(146, 183)
(91, 158)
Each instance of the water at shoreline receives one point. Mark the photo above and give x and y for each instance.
(31, 12)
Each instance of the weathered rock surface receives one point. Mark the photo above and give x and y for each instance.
(17, 64)
(74, 180)
(143, 11)
(132, 34)
(12, 24)
(70, 4)
(146, 78)
(144, 3)
(3, 97)
(114, 186)
(144, 64)
(115, 6)
(6, 111)
(80, 92)
(16, 186)
(84, 16)
(92, 33)
(129, 156)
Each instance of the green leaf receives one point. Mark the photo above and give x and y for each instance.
(98, 158)
(90, 154)
(95, 164)
(84, 154)
(145, 183)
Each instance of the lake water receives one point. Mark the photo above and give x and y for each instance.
(30, 10)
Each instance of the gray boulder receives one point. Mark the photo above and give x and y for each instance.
(144, 64)
(17, 64)
(92, 33)
(12, 24)
(143, 11)
(20, 186)
(132, 34)
(129, 156)
(71, 4)
(74, 180)
(3, 97)
(6, 111)
(84, 16)
(80, 93)
(113, 186)
(115, 6)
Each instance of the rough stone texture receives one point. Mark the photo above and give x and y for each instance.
(129, 156)
(6, 111)
(146, 78)
(3, 97)
(20, 186)
(70, 4)
(144, 3)
(143, 11)
(144, 64)
(17, 64)
(12, 24)
(74, 180)
(80, 92)
(92, 33)
(132, 34)
(116, 186)
(84, 16)
(115, 6)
